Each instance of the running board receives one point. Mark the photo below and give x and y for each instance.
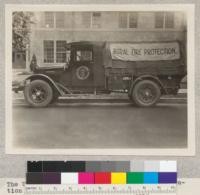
(94, 96)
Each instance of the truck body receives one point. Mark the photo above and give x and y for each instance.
(144, 71)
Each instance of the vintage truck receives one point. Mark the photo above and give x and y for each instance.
(143, 70)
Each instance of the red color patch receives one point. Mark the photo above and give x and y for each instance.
(102, 178)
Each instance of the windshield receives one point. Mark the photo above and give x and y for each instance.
(83, 55)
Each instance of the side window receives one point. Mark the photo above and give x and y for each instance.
(123, 20)
(96, 20)
(164, 20)
(128, 20)
(60, 51)
(60, 19)
(159, 20)
(83, 55)
(48, 51)
(49, 19)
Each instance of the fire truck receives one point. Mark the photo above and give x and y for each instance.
(143, 70)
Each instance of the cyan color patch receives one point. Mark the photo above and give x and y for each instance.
(150, 178)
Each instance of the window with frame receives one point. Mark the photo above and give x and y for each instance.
(133, 20)
(164, 20)
(49, 19)
(159, 20)
(48, 51)
(86, 19)
(60, 51)
(60, 19)
(169, 20)
(128, 20)
(123, 20)
(83, 55)
(96, 20)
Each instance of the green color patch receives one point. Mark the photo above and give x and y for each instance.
(135, 178)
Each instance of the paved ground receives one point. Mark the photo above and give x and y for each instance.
(100, 125)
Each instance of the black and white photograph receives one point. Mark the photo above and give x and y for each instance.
(100, 80)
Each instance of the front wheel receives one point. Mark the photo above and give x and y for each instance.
(146, 93)
(38, 93)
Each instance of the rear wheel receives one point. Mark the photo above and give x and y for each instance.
(38, 93)
(146, 93)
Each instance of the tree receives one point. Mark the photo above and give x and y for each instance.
(21, 29)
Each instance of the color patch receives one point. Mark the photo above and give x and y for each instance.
(122, 166)
(63, 166)
(102, 178)
(118, 178)
(135, 178)
(93, 166)
(150, 178)
(34, 166)
(151, 166)
(51, 178)
(53, 166)
(107, 166)
(34, 178)
(137, 166)
(69, 178)
(86, 178)
(168, 166)
(167, 178)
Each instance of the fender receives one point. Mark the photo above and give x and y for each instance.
(47, 79)
(149, 77)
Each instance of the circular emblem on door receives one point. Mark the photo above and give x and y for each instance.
(82, 72)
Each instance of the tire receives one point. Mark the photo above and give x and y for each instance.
(146, 93)
(38, 93)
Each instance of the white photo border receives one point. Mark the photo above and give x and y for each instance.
(187, 8)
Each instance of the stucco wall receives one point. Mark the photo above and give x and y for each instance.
(74, 30)
(70, 36)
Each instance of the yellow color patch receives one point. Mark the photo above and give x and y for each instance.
(118, 178)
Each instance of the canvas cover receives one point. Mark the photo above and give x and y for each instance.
(145, 51)
(136, 52)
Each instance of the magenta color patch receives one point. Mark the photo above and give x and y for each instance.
(86, 178)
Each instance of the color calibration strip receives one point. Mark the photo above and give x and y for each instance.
(101, 172)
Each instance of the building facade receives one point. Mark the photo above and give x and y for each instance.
(52, 30)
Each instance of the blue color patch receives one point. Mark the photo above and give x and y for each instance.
(150, 178)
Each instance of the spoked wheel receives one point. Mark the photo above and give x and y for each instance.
(38, 93)
(146, 93)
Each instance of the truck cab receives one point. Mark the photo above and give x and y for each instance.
(86, 72)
